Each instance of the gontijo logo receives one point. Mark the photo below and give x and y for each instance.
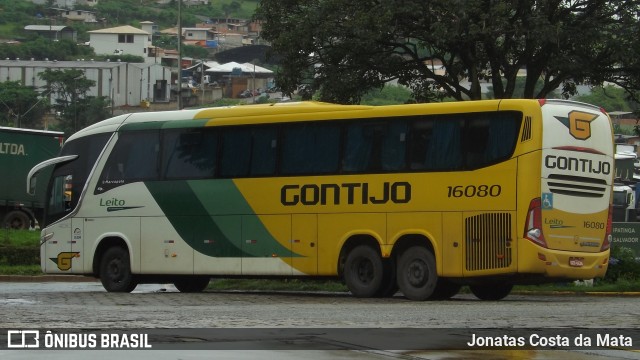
(579, 123)
(63, 260)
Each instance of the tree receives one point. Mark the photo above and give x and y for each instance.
(22, 106)
(196, 52)
(230, 8)
(347, 48)
(388, 95)
(76, 109)
(610, 98)
(41, 49)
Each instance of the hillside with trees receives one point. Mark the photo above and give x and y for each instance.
(15, 15)
(18, 44)
(449, 48)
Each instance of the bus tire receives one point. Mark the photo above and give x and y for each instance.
(445, 289)
(363, 271)
(491, 291)
(417, 274)
(16, 220)
(191, 284)
(115, 271)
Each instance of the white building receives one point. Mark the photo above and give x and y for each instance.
(77, 15)
(126, 84)
(198, 34)
(120, 40)
(150, 27)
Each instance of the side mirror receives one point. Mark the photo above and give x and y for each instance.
(31, 177)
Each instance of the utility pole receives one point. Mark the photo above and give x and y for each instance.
(202, 80)
(179, 54)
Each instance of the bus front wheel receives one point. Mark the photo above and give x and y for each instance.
(417, 274)
(491, 291)
(115, 271)
(363, 271)
(191, 284)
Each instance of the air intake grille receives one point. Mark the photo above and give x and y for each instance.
(576, 186)
(488, 241)
(526, 129)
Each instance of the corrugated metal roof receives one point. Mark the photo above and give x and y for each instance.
(46, 27)
(61, 64)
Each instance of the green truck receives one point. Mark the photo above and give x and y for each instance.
(20, 150)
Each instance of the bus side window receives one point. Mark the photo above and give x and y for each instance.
(248, 151)
(310, 149)
(503, 131)
(421, 134)
(236, 152)
(444, 148)
(134, 158)
(476, 133)
(359, 146)
(264, 151)
(375, 147)
(190, 153)
(394, 146)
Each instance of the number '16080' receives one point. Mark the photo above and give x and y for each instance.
(474, 191)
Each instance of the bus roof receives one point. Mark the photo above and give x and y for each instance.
(286, 112)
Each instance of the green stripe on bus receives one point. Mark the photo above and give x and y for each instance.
(152, 125)
(211, 215)
(168, 124)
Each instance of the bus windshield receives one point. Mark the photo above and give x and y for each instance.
(68, 178)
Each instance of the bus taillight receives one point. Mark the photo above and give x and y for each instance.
(606, 243)
(533, 230)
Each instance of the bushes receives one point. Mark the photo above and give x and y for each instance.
(623, 265)
(19, 247)
(19, 255)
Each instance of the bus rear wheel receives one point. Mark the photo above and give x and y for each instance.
(191, 284)
(115, 271)
(491, 291)
(363, 271)
(417, 274)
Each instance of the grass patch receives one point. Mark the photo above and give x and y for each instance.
(20, 270)
(19, 237)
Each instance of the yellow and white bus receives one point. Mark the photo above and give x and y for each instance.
(423, 198)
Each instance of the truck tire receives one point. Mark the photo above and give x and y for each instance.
(16, 220)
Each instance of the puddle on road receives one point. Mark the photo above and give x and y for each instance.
(17, 301)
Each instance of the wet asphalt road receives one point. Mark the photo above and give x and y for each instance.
(85, 305)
